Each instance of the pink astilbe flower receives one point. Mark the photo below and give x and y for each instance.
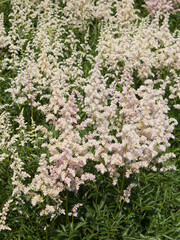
(139, 118)
(127, 193)
(74, 210)
(68, 152)
(161, 6)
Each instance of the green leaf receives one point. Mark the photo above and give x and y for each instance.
(79, 225)
(168, 237)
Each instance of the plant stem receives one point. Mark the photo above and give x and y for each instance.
(66, 202)
(123, 179)
(31, 111)
(120, 190)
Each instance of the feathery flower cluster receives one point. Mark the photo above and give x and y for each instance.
(4, 40)
(127, 193)
(3, 215)
(161, 6)
(139, 118)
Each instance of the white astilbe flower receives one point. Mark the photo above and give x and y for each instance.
(101, 168)
(7, 139)
(36, 68)
(126, 13)
(48, 210)
(175, 88)
(3, 215)
(19, 175)
(167, 168)
(165, 157)
(10, 141)
(40, 70)
(140, 47)
(42, 182)
(5, 130)
(36, 199)
(177, 106)
(127, 193)
(103, 9)
(78, 13)
(4, 40)
(21, 25)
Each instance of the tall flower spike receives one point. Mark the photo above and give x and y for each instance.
(4, 40)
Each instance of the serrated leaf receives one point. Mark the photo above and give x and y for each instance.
(79, 225)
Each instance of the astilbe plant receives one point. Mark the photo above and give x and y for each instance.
(136, 117)
(100, 119)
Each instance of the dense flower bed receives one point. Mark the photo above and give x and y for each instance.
(88, 88)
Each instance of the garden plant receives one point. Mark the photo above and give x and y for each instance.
(89, 111)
